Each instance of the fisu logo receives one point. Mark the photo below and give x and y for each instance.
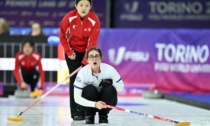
(131, 12)
(131, 7)
(124, 55)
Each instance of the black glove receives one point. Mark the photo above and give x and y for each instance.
(80, 108)
(105, 82)
(83, 65)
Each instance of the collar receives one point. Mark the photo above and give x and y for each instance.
(92, 71)
(84, 17)
(28, 55)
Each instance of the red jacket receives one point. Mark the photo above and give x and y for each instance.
(77, 34)
(28, 63)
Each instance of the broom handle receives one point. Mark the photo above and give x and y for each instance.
(48, 92)
(142, 114)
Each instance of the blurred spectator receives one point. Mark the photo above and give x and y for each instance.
(4, 27)
(36, 33)
(36, 30)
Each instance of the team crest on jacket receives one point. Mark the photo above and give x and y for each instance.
(74, 26)
(87, 29)
(78, 79)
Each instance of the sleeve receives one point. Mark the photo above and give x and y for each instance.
(93, 39)
(17, 71)
(64, 35)
(117, 81)
(41, 72)
(78, 86)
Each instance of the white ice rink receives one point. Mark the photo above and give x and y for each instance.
(54, 111)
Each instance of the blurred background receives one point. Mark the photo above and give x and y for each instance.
(155, 44)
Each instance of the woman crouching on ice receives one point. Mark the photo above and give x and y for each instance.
(96, 85)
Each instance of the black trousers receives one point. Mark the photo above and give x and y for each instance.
(72, 66)
(31, 78)
(107, 94)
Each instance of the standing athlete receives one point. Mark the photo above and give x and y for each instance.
(79, 31)
(96, 85)
(28, 69)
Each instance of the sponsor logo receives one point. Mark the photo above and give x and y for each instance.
(78, 79)
(116, 57)
(20, 3)
(171, 7)
(182, 53)
(179, 10)
(131, 9)
(182, 58)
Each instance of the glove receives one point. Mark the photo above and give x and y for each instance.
(36, 93)
(69, 53)
(105, 82)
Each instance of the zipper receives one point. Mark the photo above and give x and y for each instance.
(82, 28)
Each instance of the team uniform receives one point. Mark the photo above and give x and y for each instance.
(90, 88)
(29, 69)
(77, 36)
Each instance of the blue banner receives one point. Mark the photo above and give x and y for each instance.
(20, 13)
(173, 60)
(162, 14)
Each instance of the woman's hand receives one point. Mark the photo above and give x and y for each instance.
(73, 56)
(23, 85)
(100, 105)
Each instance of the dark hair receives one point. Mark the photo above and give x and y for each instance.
(29, 41)
(77, 1)
(41, 33)
(5, 25)
(95, 49)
